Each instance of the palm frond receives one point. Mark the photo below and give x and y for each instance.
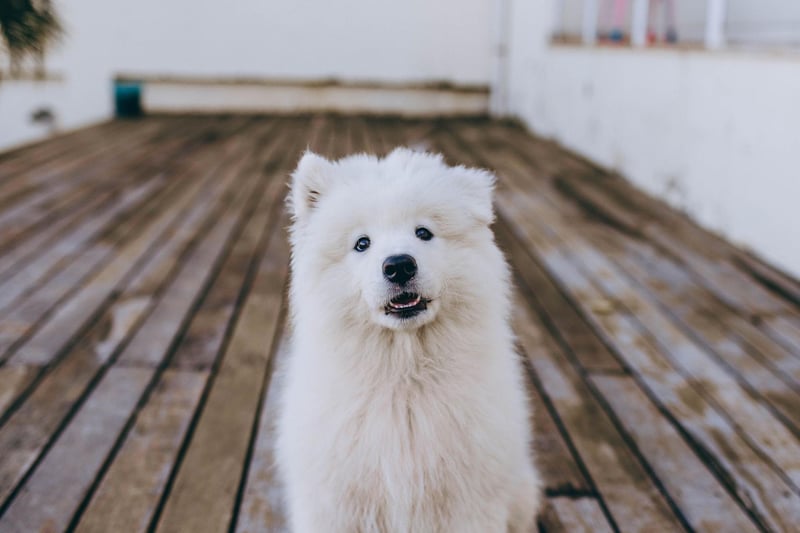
(27, 27)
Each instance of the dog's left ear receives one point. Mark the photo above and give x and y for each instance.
(478, 185)
(309, 181)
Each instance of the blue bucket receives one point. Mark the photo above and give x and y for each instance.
(128, 99)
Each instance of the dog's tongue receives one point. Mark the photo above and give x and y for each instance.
(405, 300)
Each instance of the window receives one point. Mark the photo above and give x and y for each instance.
(681, 23)
(765, 23)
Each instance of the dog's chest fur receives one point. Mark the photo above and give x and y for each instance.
(401, 448)
(403, 436)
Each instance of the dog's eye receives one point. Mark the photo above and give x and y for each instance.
(361, 244)
(424, 234)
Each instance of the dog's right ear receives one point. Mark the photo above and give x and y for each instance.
(309, 181)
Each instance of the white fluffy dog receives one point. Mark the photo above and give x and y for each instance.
(404, 406)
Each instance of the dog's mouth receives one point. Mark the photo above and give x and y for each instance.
(406, 305)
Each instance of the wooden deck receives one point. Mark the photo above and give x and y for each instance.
(142, 275)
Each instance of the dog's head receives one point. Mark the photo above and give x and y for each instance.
(392, 241)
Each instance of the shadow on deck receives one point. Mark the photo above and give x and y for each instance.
(143, 264)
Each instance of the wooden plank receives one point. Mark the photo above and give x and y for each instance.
(47, 341)
(26, 434)
(626, 487)
(59, 391)
(732, 286)
(582, 341)
(31, 178)
(786, 330)
(164, 322)
(113, 506)
(13, 380)
(41, 414)
(593, 286)
(323, 141)
(380, 139)
(199, 346)
(25, 315)
(759, 422)
(168, 250)
(207, 483)
(619, 195)
(671, 282)
(703, 501)
(337, 138)
(26, 214)
(15, 256)
(573, 515)
(262, 506)
(43, 151)
(317, 133)
(215, 197)
(558, 468)
(715, 263)
(24, 319)
(413, 133)
(155, 473)
(127, 495)
(347, 126)
(730, 353)
(50, 496)
(71, 244)
(718, 273)
(529, 208)
(750, 476)
(162, 326)
(771, 277)
(370, 135)
(528, 212)
(30, 429)
(59, 148)
(758, 363)
(201, 259)
(360, 140)
(397, 132)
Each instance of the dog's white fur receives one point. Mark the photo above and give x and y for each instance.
(389, 424)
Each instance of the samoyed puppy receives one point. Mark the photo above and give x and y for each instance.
(404, 407)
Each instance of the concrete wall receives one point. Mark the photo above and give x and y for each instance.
(351, 40)
(717, 134)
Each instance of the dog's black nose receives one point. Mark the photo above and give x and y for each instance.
(399, 268)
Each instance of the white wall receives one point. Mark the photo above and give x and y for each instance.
(386, 40)
(80, 95)
(717, 134)
(351, 40)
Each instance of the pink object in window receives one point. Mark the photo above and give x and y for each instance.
(614, 12)
(667, 12)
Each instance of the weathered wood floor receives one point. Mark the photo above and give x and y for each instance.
(142, 274)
